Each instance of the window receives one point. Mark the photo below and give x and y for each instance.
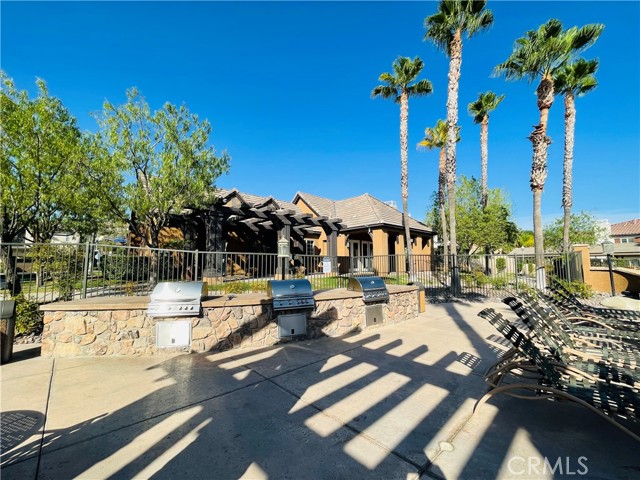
(309, 247)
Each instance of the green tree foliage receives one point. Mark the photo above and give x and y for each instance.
(492, 228)
(583, 228)
(43, 163)
(165, 158)
(525, 238)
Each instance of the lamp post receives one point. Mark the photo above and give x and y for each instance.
(283, 253)
(608, 248)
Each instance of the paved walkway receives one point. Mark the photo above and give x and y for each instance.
(392, 402)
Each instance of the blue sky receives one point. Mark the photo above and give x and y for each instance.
(287, 88)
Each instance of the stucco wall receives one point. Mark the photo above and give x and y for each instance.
(623, 278)
(79, 330)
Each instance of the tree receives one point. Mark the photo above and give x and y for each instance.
(480, 110)
(167, 159)
(445, 29)
(541, 53)
(489, 227)
(400, 86)
(583, 228)
(525, 238)
(41, 151)
(573, 80)
(436, 137)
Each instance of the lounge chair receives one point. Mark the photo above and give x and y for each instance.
(558, 290)
(589, 355)
(581, 317)
(556, 381)
(572, 324)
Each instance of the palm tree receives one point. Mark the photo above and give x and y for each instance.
(445, 29)
(400, 86)
(573, 80)
(436, 137)
(541, 53)
(480, 110)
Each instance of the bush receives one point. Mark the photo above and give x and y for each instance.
(577, 288)
(499, 282)
(475, 279)
(501, 264)
(28, 317)
(240, 287)
(125, 267)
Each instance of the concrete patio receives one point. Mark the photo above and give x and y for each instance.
(391, 402)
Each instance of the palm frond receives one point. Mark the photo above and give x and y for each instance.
(577, 77)
(420, 88)
(582, 38)
(387, 78)
(484, 105)
(385, 91)
(406, 70)
(544, 51)
(456, 15)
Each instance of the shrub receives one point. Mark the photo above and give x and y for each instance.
(125, 267)
(499, 282)
(240, 287)
(28, 317)
(501, 264)
(577, 288)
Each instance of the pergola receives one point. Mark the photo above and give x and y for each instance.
(266, 216)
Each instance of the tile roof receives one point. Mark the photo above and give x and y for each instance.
(356, 212)
(619, 249)
(630, 227)
(361, 211)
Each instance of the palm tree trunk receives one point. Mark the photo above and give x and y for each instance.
(540, 143)
(567, 200)
(404, 176)
(441, 204)
(484, 158)
(455, 63)
(484, 161)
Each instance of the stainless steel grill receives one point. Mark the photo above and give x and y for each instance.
(373, 289)
(290, 294)
(177, 299)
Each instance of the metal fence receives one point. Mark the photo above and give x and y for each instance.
(616, 262)
(52, 272)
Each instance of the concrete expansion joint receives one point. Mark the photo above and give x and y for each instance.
(46, 416)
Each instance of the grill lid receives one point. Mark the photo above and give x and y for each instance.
(364, 284)
(289, 288)
(373, 288)
(172, 299)
(290, 294)
(165, 292)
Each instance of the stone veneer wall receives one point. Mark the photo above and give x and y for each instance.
(131, 332)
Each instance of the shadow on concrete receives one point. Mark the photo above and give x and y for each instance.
(334, 408)
(25, 353)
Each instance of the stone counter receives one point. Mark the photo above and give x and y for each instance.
(120, 326)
